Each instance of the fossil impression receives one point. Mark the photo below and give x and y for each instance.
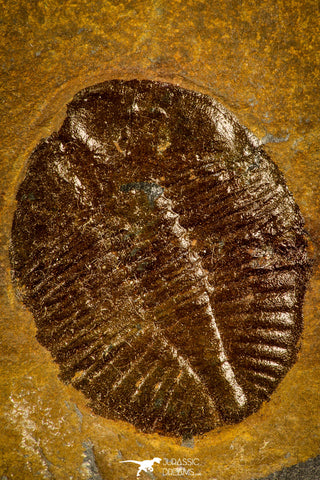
(162, 256)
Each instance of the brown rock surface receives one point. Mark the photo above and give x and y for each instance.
(261, 62)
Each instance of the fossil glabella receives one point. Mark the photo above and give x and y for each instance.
(162, 256)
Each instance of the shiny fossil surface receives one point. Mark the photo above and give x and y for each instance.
(162, 256)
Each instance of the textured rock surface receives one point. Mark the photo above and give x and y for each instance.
(302, 471)
(260, 61)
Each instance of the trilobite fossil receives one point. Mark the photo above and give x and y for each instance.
(162, 256)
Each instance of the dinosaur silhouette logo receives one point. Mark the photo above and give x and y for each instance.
(145, 465)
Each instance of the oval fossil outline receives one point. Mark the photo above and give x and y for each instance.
(162, 256)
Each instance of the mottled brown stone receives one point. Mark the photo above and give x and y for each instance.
(261, 61)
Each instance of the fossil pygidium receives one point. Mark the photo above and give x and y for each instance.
(162, 256)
